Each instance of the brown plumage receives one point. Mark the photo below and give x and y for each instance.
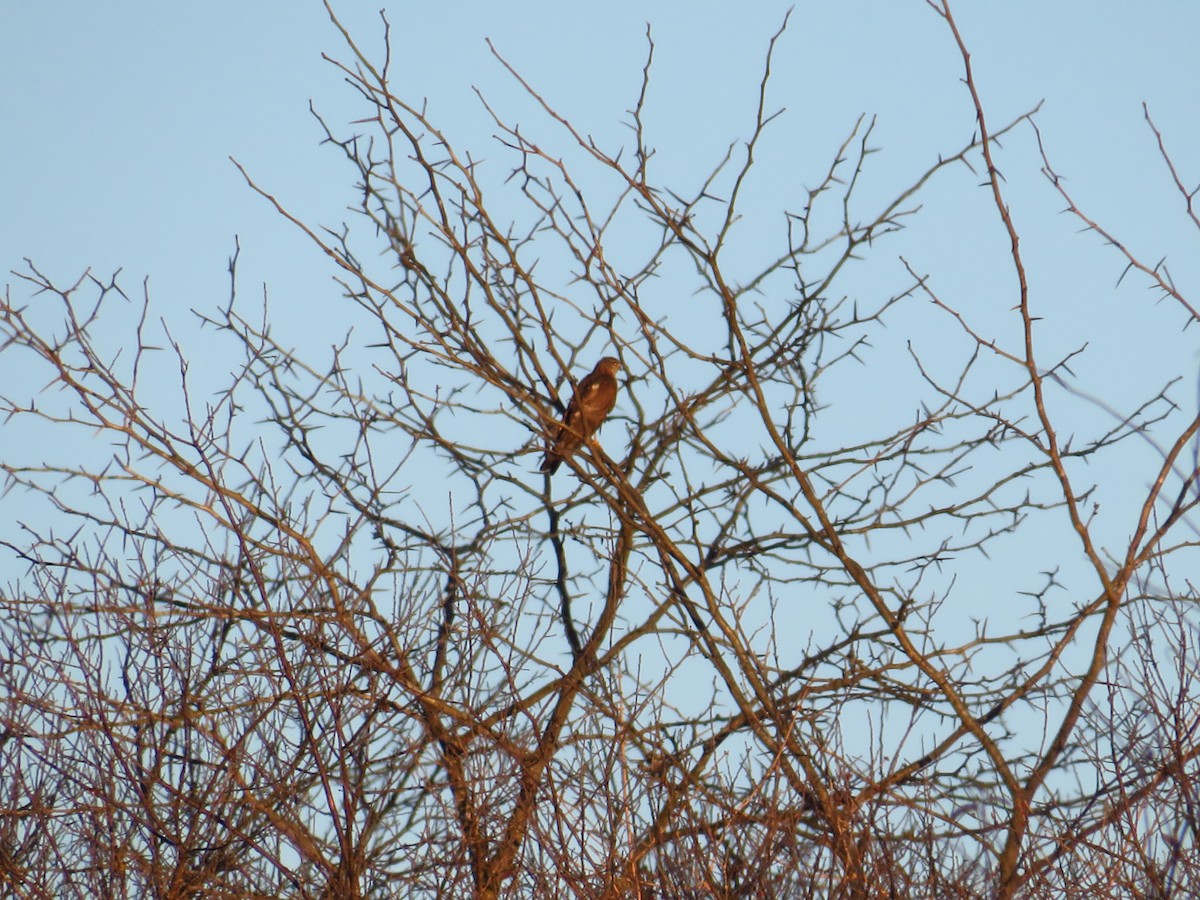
(593, 400)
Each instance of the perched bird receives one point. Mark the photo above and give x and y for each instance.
(593, 400)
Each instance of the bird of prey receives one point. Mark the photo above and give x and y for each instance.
(593, 400)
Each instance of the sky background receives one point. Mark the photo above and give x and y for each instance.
(120, 121)
(120, 118)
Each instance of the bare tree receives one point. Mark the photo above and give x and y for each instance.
(326, 632)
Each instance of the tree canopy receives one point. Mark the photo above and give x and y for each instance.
(858, 592)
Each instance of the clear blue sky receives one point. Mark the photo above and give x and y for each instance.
(119, 120)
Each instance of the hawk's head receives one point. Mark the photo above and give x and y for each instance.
(609, 365)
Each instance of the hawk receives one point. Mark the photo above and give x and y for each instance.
(593, 400)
